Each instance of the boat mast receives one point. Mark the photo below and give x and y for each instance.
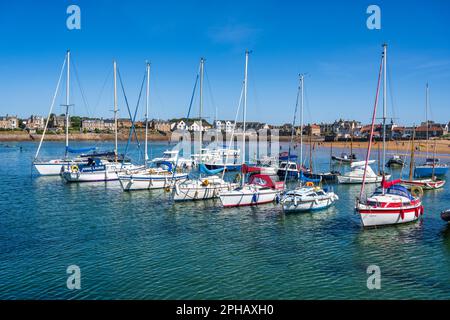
(67, 102)
(302, 78)
(202, 62)
(310, 150)
(115, 110)
(245, 110)
(351, 144)
(426, 116)
(411, 162)
(384, 106)
(434, 162)
(146, 113)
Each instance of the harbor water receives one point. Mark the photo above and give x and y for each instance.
(140, 245)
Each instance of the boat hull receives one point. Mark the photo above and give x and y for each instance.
(343, 179)
(291, 174)
(427, 171)
(228, 167)
(201, 193)
(147, 182)
(371, 217)
(49, 169)
(239, 198)
(290, 206)
(90, 176)
(445, 215)
(425, 184)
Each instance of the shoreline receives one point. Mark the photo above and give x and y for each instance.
(403, 147)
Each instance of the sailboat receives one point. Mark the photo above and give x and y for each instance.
(164, 171)
(55, 166)
(209, 184)
(432, 166)
(307, 196)
(260, 188)
(391, 203)
(424, 183)
(98, 168)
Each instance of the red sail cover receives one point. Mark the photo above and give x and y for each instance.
(386, 184)
(248, 169)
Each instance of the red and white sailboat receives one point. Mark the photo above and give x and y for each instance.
(391, 203)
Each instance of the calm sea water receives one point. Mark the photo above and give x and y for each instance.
(139, 245)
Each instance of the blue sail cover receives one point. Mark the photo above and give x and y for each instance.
(205, 170)
(83, 150)
(167, 164)
(305, 179)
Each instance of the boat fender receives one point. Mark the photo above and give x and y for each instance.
(295, 201)
(417, 191)
(196, 194)
(167, 189)
(255, 197)
(237, 178)
(402, 214)
(277, 199)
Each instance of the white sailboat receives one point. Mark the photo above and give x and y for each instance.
(162, 173)
(205, 187)
(260, 188)
(55, 166)
(99, 169)
(306, 197)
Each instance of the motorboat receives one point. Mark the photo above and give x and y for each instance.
(344, 158)
(445, 215)
(355, 176)
(395, 161)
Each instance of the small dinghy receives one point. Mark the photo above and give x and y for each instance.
(445, 215)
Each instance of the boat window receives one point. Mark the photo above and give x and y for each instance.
(320, 193)
(293, 166)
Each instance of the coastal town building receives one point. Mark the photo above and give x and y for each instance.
(312, 129)
(224, 125)
(160, 125)
(35, 123)
(9, 122)
(58, 122)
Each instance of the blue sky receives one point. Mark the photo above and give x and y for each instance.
(328, 40)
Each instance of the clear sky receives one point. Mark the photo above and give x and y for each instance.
(328, 40)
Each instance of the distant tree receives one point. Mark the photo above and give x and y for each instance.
(76, 122)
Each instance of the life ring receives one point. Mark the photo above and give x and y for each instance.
(417, 191)
(205, 183)
(310, 184)
(74, 168)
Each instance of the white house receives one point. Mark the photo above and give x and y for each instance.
(224, 125)
(180, 125)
